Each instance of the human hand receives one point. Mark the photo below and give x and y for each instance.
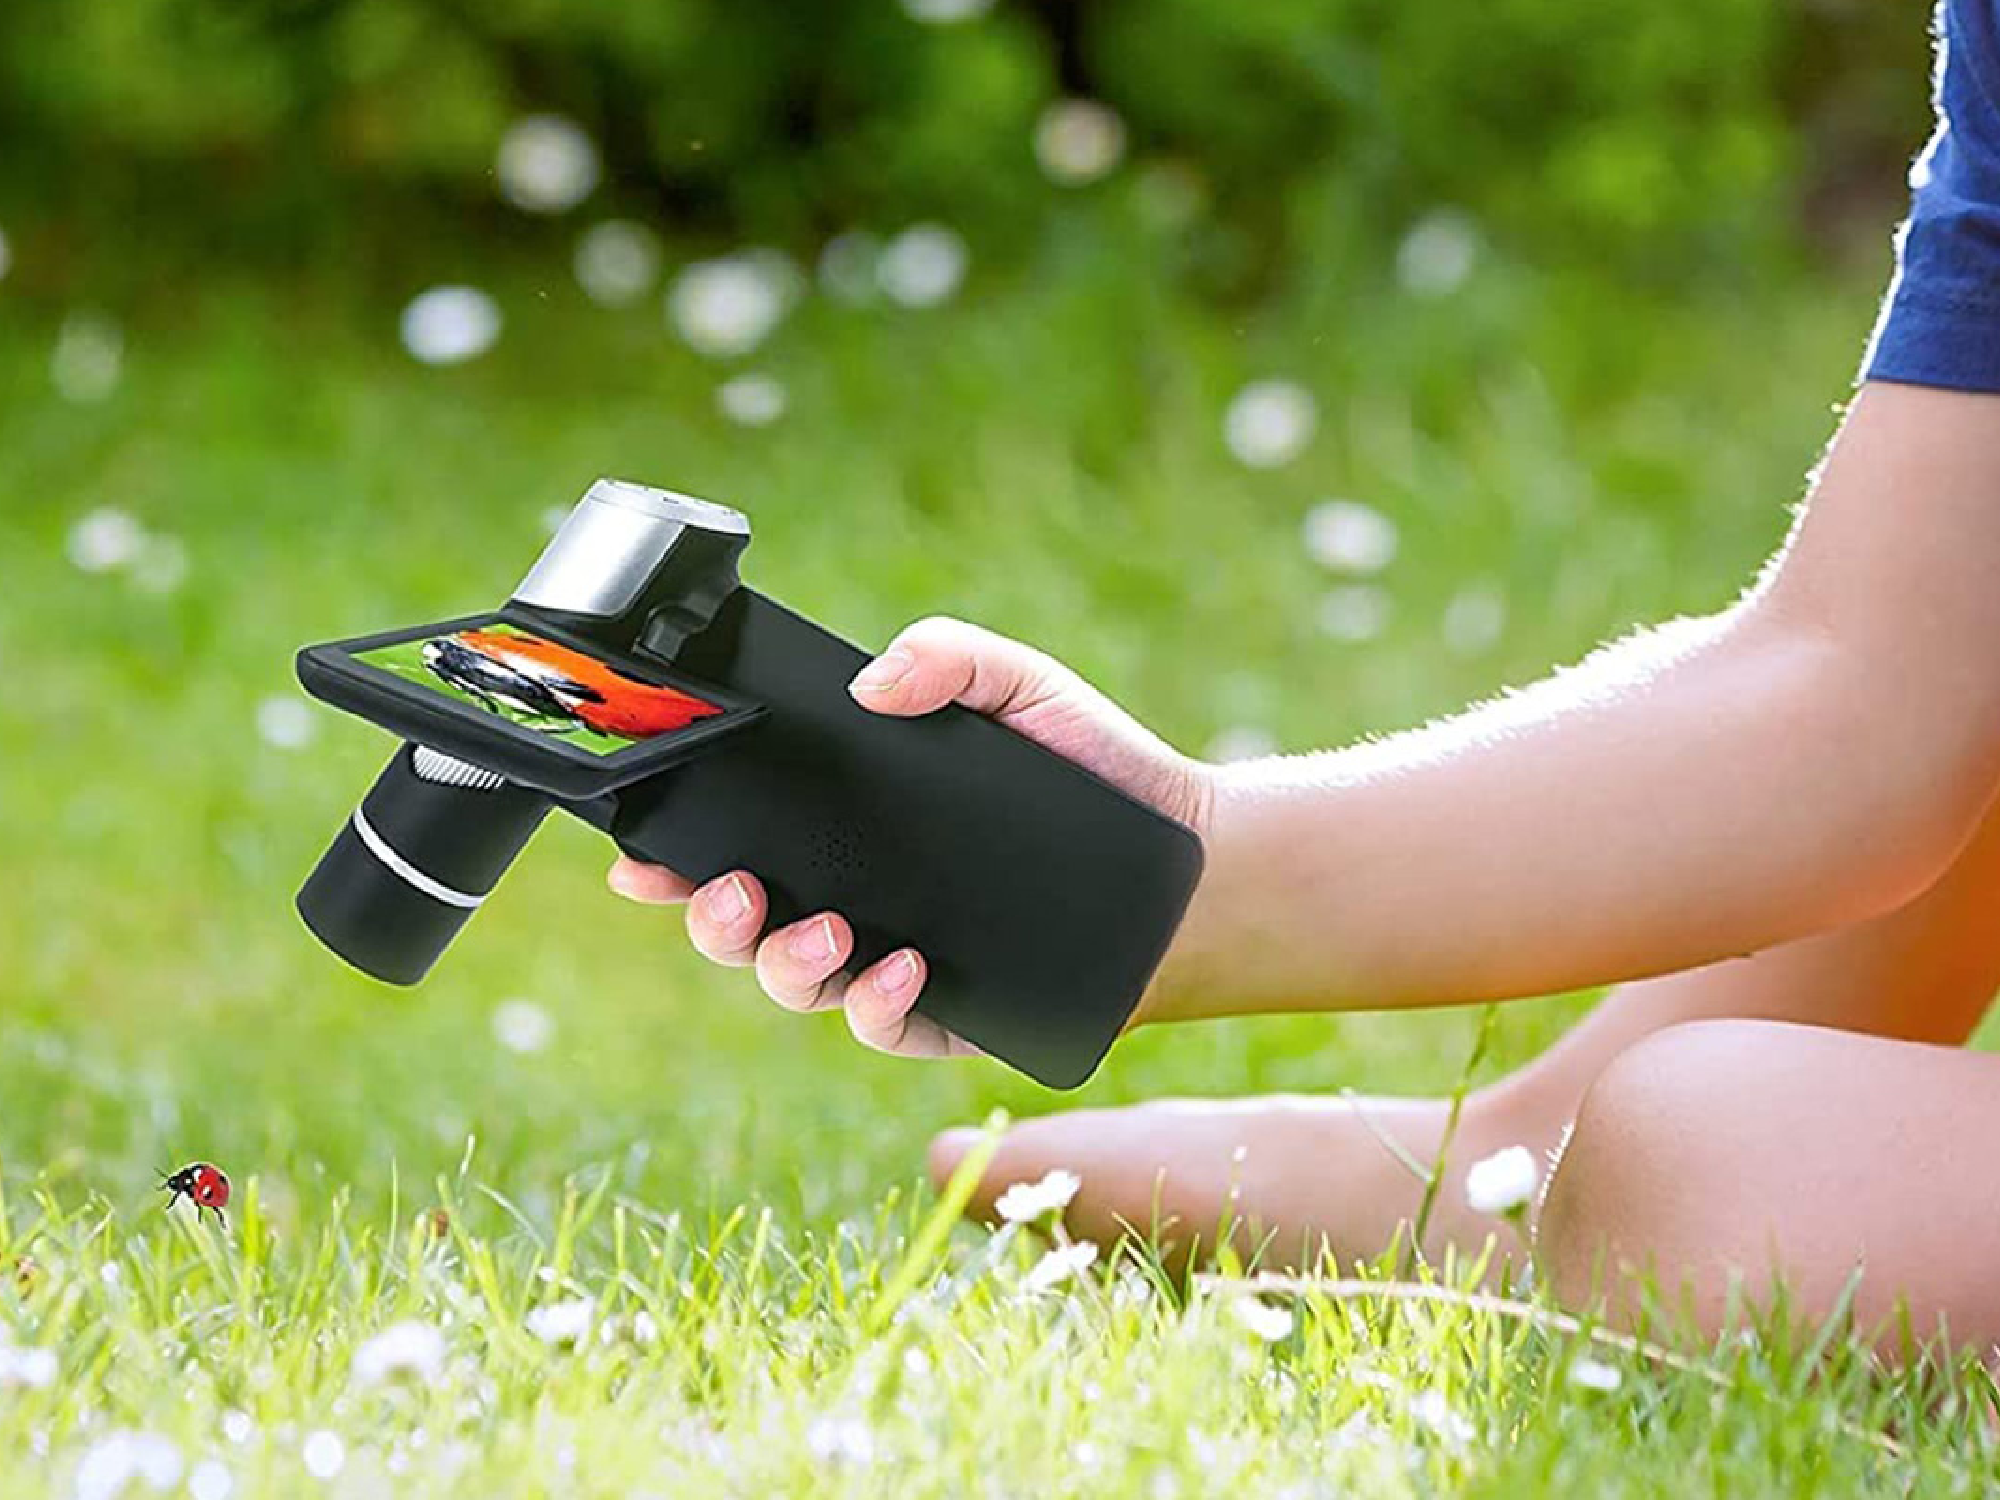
(932, 663)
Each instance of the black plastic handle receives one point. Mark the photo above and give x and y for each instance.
(1041, 897)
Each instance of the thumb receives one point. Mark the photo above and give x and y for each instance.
(940, 661)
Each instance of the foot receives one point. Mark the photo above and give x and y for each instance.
(1289, 1176)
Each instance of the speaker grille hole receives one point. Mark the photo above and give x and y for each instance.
(837, 851)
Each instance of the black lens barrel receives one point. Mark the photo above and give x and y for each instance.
(414, 862)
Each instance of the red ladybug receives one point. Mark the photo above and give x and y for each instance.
(203, 1185)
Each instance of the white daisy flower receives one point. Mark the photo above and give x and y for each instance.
(1350, 537)
(559, 1323)
(119, 1459)
(617, 262)
(1595, 1375)
(751, 400)
(1432, 1411)
(34, 1369)
(411, 1347)
(729, 305)
(946, 12)
(1438, 254)
(211, 1480)
(547, 164)
(923, 266)
(1502, 1182)
(1266, 1320)
(523, 1026)
(1024, 1202)
(324, 1453)
(105, 539)
(1059, 1265)
(1078, 141)
(1269, 423)
(285, 722)
(449, 325)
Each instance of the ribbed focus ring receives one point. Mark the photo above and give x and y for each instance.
(448, 770)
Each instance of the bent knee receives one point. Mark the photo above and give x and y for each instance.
(1636, 1196)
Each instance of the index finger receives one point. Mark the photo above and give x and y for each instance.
(650, 885)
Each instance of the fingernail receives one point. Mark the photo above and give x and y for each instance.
(727, 901)
(899, 974)
(816, 942)
(622, 882)
(883, 673)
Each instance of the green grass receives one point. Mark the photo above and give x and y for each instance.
(1044, 457)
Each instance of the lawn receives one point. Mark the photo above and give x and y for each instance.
(773, 1307)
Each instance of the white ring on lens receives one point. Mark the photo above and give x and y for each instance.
(411, 875)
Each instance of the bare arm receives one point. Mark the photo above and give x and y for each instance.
(1814, 755)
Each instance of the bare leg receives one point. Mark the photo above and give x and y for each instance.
(1730, 1152)
(1298, 1173)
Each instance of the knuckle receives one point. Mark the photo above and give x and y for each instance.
(704, 941)
(872, 1035)
(783, 979)
(790, 996)
(934, 630)
(700, 919)
(876, 1020)
(939, 643)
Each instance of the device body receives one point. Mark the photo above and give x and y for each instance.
(1041, 897)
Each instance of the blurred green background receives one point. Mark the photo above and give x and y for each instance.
(1296, 370)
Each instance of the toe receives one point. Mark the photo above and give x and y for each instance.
(947, 1150)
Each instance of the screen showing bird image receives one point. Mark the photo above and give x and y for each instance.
(541, 685)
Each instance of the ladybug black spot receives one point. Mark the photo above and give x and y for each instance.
(203, 1184)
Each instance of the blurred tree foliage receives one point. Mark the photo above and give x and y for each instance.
(1619, 128)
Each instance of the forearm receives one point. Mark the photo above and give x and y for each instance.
(1697, 793)
(1925, 972)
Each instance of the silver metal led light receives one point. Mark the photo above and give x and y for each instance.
(612, 545)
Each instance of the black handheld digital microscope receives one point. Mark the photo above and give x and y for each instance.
(633, 680)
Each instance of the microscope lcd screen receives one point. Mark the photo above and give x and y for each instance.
(538, 684)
